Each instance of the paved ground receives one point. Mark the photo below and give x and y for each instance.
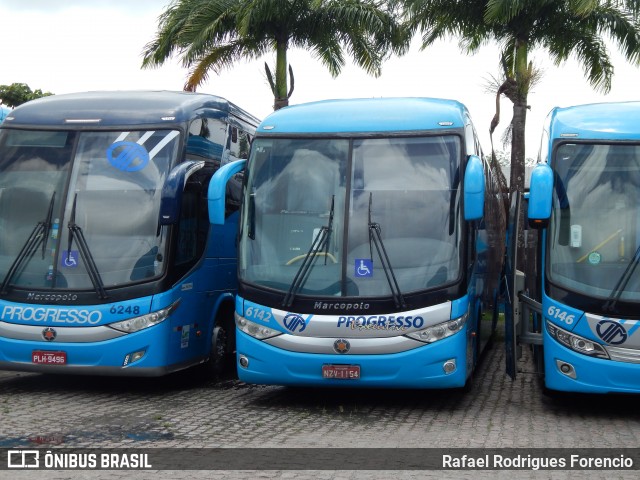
(47, 411)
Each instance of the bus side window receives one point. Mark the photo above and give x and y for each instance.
(206, 138)
(233, 196)
(471, 144)
(187, 228)
(238, 143)
(193, 226)
(244, 144)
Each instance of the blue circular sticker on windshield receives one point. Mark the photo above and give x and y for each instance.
(128, 156)
(594, 258)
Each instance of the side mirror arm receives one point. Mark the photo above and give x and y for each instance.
(171, 199)
(217, 190)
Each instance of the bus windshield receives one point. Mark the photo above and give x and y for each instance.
(108, 183)
(594, 234)
(341, 192)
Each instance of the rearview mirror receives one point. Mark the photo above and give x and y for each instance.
(540, 191)
(474, 189)
(217, 189)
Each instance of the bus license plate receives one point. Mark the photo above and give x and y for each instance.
(341, 372)
(42, 357)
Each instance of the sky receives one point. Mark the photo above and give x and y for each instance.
(65, 46)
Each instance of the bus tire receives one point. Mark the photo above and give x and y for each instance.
(218, 354)
(468, 384)
(555, 396)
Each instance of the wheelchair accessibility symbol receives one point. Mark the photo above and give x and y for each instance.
(69, 259)
(364, 267)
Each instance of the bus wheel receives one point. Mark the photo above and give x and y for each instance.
(468, 385)
(218, 354)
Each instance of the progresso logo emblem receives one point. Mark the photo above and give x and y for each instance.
(295, 322)
(341, 345)
(49, 334)
(611, 332)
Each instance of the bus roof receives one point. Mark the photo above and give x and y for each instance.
(598, 121)
(366, 115)
(120, 108)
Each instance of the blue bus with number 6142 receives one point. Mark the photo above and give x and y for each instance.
(109, 264)
(370, 246)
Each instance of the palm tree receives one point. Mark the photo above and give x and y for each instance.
(213, 34)
(563, 28)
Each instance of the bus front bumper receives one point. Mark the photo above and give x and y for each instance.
(146, 353)
(569, 371)
(422, 367)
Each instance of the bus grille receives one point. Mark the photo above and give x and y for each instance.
(623, 354)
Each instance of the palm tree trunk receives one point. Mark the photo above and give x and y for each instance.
(523, 80)
(519, 121)
(281, 98)
(516, 182)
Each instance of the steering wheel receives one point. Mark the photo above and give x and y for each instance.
(322, 254)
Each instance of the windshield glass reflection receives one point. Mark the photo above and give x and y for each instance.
(115, 181)
(410, 184)
(594, 231)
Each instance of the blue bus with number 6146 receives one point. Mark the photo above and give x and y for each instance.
(581, 312)
(109, 264)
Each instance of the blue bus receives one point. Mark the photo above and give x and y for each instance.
(370, 246)
(4, 112)
(109, 264)
(584, 312)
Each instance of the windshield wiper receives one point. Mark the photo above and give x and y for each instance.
(616, 293)
(376, 237)
(85, 253)
(320, 241)
(40, 234)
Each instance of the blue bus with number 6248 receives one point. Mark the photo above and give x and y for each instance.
(109, 264)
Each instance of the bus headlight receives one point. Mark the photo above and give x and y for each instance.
(576, 343)
(438, 332)
(256, 331)
(136, 324)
